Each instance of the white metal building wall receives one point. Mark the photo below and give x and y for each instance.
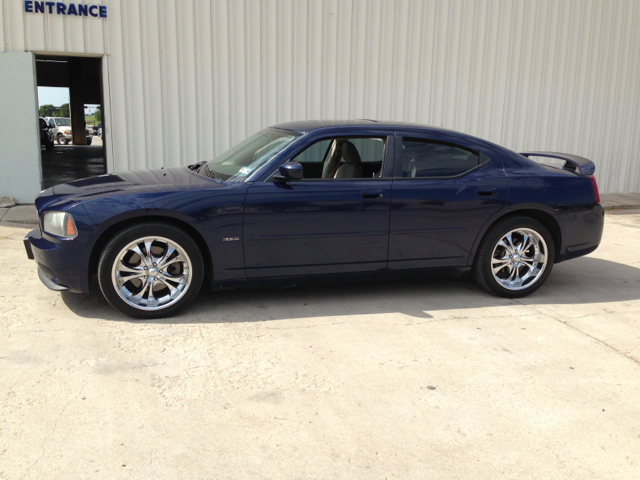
(186, 79)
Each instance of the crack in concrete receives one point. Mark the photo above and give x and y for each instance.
(53, 429)
(355, 323)
(541, 311)
(637, 345)
(432, 320)
(153, 468)
(569, 324)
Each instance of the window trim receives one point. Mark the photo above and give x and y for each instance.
(483, 158)
(386, 138)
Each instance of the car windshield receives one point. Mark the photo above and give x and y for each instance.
(240, 161)
(62, 122)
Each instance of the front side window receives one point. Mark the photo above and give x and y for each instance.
(316, 153)
(429, 159)
(237, 163)
(343, 158)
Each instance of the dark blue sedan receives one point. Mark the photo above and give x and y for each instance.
(319, 200)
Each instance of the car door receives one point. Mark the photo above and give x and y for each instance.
(444, 190)
(320, 225)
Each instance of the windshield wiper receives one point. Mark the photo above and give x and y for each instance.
(196, 166)
(205, 171)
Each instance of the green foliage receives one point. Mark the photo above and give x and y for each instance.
(51, 111)
(48, 110)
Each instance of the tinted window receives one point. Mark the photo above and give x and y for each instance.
(315, 153)
(326, 159)
(370, 149)
(422, 158)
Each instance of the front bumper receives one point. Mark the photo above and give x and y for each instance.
(62, 264)
(50, 284)
(27, 246)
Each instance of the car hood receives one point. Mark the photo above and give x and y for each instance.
(125, 183)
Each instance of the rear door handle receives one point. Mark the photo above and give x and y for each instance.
(487, 192)
(373, 193)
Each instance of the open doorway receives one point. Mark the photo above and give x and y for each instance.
(70, 110)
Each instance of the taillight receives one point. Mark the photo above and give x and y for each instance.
(594, 184)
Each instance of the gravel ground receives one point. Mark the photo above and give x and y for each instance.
(430, 379)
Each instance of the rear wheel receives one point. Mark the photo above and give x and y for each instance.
(150, 270)
(515, 258)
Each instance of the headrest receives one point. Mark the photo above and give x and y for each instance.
(350, 153)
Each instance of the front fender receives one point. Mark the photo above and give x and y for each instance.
(211, 215)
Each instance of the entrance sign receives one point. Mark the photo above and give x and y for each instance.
(59, 8)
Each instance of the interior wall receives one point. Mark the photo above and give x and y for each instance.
(189, 78)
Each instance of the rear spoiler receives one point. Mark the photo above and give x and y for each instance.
(573, 163)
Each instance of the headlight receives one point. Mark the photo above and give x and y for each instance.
(60, 224)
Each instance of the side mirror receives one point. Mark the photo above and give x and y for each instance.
(289, 171)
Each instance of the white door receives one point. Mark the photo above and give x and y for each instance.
(20, 172)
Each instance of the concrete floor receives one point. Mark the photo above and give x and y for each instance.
(65, 163)
(432, 379)
(621, 201)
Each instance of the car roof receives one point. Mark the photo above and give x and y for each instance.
(305, 126)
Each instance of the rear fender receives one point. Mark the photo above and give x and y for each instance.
(542, 213)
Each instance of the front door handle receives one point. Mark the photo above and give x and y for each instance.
(487, 192)
(373, 193)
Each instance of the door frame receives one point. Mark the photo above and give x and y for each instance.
(105, 96)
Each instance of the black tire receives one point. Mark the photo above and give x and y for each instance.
(152, 229)
(89, 140)
(482, 268)
(62, 140)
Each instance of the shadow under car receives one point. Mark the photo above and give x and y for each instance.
(586, 280)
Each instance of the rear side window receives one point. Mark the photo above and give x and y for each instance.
(423, 158)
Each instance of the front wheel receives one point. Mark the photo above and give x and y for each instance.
(62, 140)
(515, 257)
(150, 270)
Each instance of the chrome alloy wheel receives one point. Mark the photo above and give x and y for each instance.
(151, 273)
(519, 259)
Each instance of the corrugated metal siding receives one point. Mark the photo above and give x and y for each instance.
(185, 80)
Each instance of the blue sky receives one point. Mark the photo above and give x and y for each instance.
(55, 96)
